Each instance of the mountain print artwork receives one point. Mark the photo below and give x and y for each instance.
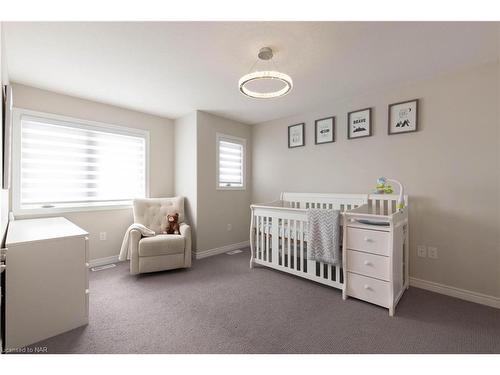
(358, 123)
(403, 117)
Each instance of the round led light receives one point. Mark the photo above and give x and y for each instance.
(265, 75)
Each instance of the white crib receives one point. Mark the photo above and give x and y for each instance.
(278, 232)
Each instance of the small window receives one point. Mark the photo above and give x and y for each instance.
(230, 162)
(66, 164)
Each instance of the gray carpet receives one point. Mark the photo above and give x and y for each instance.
(222, 306)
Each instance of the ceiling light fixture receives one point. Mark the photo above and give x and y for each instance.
(265, 54)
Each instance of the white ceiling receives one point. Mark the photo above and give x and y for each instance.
(172, 68)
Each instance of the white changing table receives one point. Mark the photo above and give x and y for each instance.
(375, 257)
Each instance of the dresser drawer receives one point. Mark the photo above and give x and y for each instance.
(368, 289)
(371, 241)
(368, 264)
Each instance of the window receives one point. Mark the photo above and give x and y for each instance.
(63, 164)
(230, 162)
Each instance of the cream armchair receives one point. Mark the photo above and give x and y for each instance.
(163, 251)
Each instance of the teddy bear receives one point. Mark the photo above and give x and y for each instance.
(172, 224)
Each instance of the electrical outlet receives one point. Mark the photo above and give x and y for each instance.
(432, 252)
(102, 236)
(421, 251)
(229, 227)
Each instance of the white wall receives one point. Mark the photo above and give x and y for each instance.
(4, 194)
(210, 210)
(218, 208)
(450, 169)
(498, 154)
(114, 222)
(186, 167)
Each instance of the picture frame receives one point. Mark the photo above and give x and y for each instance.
(296, 135)
(7, 104)
(359, 123)
(403, 117)
(324, 130)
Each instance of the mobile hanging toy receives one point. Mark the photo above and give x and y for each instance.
(384, 188)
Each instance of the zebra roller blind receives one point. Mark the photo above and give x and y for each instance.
(72, 165)
(231, 162)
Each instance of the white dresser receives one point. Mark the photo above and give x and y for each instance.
(46, 281)
(375, 257)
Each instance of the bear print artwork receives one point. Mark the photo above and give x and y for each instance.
(172, 224)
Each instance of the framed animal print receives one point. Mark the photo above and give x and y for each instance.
(324, 130)
(403, 117)
(359, 123)
(296, 135)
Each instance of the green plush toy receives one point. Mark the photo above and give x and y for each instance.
(384, 188)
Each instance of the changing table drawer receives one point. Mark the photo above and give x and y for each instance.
(368, 289)
(368, 264)
(371, 241)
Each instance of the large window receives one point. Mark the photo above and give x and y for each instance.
(65, 163)
(230, 162)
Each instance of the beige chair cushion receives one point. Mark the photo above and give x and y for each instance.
(162, 244)
(152, 212)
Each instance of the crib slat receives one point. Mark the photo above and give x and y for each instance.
(301, 253)
(268, 239)
(275, 240)
(321, 269)
(289, 232)
(295, 238)
(282, 235)
(283, 241)
(257, 228)
(286, 250)
(268, 247)
(263, 238)
(264, 251)
(337, 273)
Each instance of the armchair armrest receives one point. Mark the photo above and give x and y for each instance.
(135, 237)
(185, 231)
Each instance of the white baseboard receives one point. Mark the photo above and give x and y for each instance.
(483, 299)
(103, 261)
(220, 250)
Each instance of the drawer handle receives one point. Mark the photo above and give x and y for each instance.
(367, 287)
(367, 239)
(367, 263)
